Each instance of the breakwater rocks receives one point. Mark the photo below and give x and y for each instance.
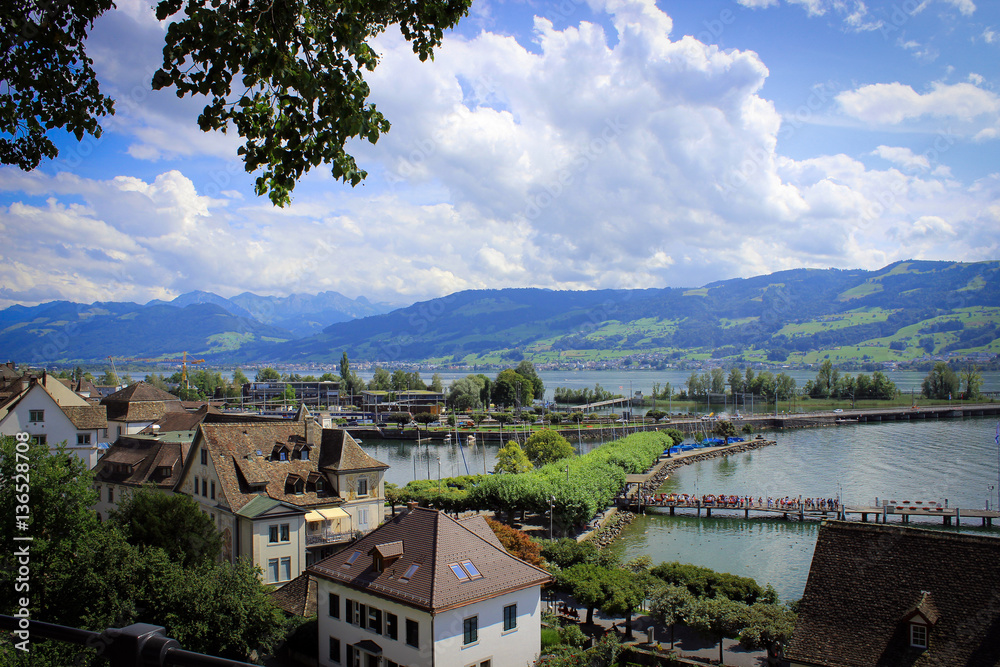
(609, 532)
(667, 466)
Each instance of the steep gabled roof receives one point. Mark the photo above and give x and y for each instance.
(140, 391)
(140, 402)
(146, 458)
(339, 452)
(298, 596)
(179, 421)
(240, 454)
(866, 581)
(431, 543)
(87, 418)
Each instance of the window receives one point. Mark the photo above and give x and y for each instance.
(362, 486)
(213, 490)
(286, 568)
(354, 557)
(204, 457)
(278, 533)
(412, 633)
(304, 454)
(196, 487)
(486, 663)
(334, 650)
(363, 518)
(204, 487)
(510, 617)
(465, 570)
(410, 571)
(283, 456)
(41, 439)
(272, 570)
(36, 415)
(319, 486)
(349, 611)
(111, 494)
(918, 635)
(391, 626)
(83, 439)
(360, 614)
(334, 605)
(470, 630)
(375, 620)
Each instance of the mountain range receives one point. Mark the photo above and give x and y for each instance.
(901, 312)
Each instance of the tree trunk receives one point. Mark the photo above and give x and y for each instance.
(628, 626)
(590, 615)
(721, 639)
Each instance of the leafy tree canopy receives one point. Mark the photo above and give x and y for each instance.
(546, 446)
(512, 459)
(172, 522)
(298, 97)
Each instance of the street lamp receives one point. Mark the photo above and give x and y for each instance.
(552, 507)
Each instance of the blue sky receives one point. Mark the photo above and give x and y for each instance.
(567, 145)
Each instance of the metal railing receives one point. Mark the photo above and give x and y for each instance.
(327, 537)
(137, 645)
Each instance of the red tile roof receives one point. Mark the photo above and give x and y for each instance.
(432, 541)
(867, 580)
(147, 460)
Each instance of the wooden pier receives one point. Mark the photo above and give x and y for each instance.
(803, 512)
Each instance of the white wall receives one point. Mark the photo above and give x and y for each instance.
(56, 426)
(396, 650)
(514, 648)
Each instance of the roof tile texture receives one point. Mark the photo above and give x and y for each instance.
(432, 541)
(866, 579)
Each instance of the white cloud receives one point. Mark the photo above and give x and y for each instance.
(966, 7)
(903, 157)
(989, 35)
(971, 107)
(588, 160)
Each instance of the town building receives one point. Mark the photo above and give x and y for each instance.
(889, 596)
(272, 393)
(52, 413)
(425, 589)
(134, 461)
(412, 400)
(137, 406)
(284, 493)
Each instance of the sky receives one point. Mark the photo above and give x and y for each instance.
(571, 144)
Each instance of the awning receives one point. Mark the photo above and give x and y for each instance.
(327, 514)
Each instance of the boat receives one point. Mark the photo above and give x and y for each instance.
(844, 420)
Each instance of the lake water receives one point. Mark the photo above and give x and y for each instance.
(953, 459)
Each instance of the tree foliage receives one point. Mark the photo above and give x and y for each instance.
(172, 522)
(512, 459)
(941, 382)
(547, 446)
(287, 76)
(517, 543)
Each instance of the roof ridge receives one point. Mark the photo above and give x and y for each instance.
(909, 529)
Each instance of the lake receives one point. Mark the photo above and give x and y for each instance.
(952, 459)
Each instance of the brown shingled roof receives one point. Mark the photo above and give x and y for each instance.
(298, 596)
(866, 581)
(179, 421)
(340, 452)
(140, 402)
(140, 391)
(147, 459)
(86, 417)
(241, 469)
(433, 542)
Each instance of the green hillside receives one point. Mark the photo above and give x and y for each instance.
(902, 312)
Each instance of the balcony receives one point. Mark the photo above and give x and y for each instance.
(320, 537)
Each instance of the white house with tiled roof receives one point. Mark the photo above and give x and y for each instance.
(52, 413)
(424, 589)
(283, 493)
(134, 461)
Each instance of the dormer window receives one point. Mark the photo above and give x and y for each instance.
(918, 635)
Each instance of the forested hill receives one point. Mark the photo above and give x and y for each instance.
(902, 311)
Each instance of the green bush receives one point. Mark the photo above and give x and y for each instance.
(550, 637)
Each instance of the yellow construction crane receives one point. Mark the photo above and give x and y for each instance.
(184, 361)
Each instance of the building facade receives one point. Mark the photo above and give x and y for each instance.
(424, 589)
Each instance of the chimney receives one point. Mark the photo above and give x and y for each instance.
(156, 429)
(411, 505)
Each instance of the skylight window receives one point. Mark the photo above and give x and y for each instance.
(465, 570)
(354, 557)
(410, 571)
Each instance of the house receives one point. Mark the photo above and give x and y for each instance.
(134, 461)
(315, 393)
(284, 493)
(137, 406)
(52, 413)
(424, 589)
(883, 596)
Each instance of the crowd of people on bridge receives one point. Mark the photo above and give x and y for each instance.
(789, 503)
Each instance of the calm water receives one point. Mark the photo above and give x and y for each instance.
(920, 460)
